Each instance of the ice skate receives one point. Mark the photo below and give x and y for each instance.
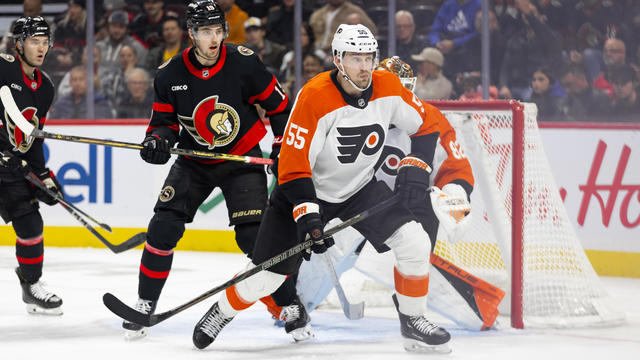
(134, 331)
(208, 328)
(421, 335)
(297, 321)
(38, 299)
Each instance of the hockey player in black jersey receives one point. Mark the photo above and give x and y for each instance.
(210, 90)
(33, 92)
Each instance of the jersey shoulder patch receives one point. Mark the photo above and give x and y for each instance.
(244, 50)
(164, 63)
(8, 57)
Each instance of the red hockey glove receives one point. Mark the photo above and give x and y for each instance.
(309, 222)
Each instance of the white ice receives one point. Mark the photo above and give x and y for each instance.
(87, 330)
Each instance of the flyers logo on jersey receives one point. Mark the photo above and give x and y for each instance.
(389, 160)
(367, 140)
(20, 141)
(212, 123)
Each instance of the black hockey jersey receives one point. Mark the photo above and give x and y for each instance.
(215, 105)
(33, 97)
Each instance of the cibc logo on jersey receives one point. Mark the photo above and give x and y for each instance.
(21, 141)
(212, 123)
(354, 140)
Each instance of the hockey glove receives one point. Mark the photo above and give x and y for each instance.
(275, 151)
(309, 223)
(14, 163)
(155, 150)
(451, 206)
(49, 180)
(412, 181)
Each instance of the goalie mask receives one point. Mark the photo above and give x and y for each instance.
(401, 69)
(354, 39)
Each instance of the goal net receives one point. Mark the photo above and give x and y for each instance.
(520, 237)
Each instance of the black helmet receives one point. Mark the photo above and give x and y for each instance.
(203, 13)
(31, 26)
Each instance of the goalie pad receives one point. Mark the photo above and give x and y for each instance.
(452, 208)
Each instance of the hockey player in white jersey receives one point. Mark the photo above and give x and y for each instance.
(462, 297)
(333, 140)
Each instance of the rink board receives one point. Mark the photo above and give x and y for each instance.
(596, 166)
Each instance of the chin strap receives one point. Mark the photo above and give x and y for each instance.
(346, 77)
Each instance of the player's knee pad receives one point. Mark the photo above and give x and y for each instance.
(165, 229)
(243, 294)
(28, 226)
(246, 236)
(411, 247)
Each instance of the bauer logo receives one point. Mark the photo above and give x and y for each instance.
(367, 140)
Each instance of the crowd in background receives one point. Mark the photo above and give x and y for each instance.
(576, 59)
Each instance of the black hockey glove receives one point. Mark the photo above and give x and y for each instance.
(14, 163)
(50, 181)
(412, 181)
(155, 150)
(309, 222)
(273, 169)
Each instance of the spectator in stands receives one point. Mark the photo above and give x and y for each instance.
(625, 100)
(325, 21)
(550, 99)
(146, 27)
(110, 47)
(533, 46)
(65, 84)
(430, 83)
(497, 43)
(235, 18)
(74, 105)
(138, 100)
(114, 83)
(174, 43)
(280, 22)
(270, 52)
(70, 31)
(407, 43)
(581, 101)
(312, 65)
(470, 86)
(257, 8)
(287, 69)
(614, 55)
(452, 30)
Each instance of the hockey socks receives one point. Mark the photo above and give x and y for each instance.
(154, 270)
(30, 253)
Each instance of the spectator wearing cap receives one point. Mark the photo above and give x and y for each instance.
(138, 99)
(325, 21)
(146, 27)
(70, 31)
(407, 43)
(430, 83)
(174, 43)
(117, 37)
(235, 18)
(271, 53)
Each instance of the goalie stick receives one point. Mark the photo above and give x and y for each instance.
(351, 311)
(27, 128)
(124, 311)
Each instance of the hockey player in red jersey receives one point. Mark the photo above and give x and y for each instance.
(448, 206)
(333, 139)
(33, 92)
(208, 90)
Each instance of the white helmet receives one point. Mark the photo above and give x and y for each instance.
(354, 38)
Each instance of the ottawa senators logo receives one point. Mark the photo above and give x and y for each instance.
(212, 123)
(366, 139)
(389, 160)
(21, 141)
(167, 193)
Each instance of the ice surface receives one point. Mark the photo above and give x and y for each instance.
(87, 330)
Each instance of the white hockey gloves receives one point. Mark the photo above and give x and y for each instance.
(452, 208)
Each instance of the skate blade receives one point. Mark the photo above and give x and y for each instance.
(417, 346)
(37, 310)
(302, 334)
(133, 335)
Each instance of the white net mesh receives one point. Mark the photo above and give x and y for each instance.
(560, 287)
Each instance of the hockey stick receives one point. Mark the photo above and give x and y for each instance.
(124, 311)
(351, 311)
(27, 128)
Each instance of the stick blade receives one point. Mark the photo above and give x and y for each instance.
(134, 241)
(124, 311)
(354, 311)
